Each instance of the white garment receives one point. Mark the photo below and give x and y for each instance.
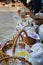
(27, 48)
(41, 31)
(36, 57)
(30, 31)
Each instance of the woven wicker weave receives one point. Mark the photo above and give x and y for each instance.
(28, 40)
(11, 58)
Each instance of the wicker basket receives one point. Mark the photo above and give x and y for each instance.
(9, 45)
(12, 60)
(28, 40)
(9, 60)
(38, 21)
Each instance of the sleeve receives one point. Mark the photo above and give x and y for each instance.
(36, 57)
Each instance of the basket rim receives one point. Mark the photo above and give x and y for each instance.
(13, 57)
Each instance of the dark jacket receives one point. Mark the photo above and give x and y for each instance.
(36, 5)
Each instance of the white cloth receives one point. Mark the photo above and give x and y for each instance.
(27, 48)
(41, 31)
(30, 31)
(33, 35)
(36, 57)
(28, 28)
(9, 52)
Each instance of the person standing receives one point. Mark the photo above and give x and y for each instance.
(36, 5)
(42, 6)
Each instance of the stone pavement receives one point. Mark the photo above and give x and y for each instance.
(7, 22)
(7, 25)
(7, 8)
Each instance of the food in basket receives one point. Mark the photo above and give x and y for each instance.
(10, 59)
(21, 51)
(18, 53)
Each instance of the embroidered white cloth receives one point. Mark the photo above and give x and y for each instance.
(30, 31)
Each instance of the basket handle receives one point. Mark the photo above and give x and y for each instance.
(15, 42)
(22, 59)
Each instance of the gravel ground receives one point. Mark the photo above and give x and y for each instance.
(7, 25)
(8, 21)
